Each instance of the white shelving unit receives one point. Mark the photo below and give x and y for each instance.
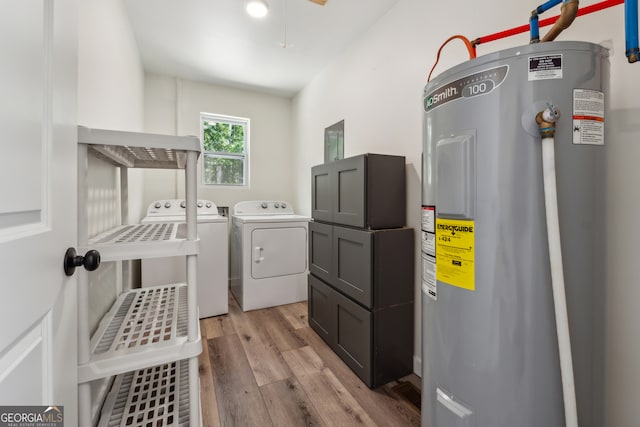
(149, 340)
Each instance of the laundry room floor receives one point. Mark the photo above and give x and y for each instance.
(269, 368)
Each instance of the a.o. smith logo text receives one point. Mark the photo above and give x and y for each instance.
(475, 84)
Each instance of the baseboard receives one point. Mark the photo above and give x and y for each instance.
(417, 366)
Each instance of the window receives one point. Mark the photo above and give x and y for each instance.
(225, 142)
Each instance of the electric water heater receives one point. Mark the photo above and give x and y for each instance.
(490, 353)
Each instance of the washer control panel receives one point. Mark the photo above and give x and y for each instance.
(263, 207)
(178, 207)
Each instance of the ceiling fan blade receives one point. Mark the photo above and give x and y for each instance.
(320, 2)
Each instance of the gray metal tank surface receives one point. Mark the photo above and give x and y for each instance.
(489, 346)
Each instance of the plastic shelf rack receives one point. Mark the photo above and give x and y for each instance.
(147, 345)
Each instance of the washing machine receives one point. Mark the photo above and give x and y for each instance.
(213, 259)
(268, 254)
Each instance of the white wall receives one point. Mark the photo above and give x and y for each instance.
(270, 148)
(110, 96)
(376, 86)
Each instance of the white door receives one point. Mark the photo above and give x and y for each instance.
(38, 66)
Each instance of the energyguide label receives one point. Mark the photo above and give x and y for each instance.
(455, 243)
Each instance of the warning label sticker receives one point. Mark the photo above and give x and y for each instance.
(429, 243)
(455, 241)
(588, 117)
(429, 284)
(545, 67)
(428, 219)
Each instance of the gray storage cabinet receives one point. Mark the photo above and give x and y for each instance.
(361, 278)
(363, 304)
(365, 191)
(372, 267)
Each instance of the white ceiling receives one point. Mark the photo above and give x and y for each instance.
(215, 41)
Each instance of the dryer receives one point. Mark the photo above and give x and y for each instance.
(268, 254)
(213, 258)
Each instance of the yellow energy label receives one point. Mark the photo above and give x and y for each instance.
(455, 242)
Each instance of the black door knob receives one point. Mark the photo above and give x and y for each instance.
(90, 261)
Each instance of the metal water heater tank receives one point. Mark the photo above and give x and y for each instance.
(489, 348)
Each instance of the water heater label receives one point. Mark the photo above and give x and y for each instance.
(545, 67)
(455, 256)
(429, 243)
(429, 284)
(429, 219)
(588, 117)
(429, 230)
(475, 84)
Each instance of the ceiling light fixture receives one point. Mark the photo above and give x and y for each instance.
(257, 8)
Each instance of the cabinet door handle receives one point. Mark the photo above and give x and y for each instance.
(257, 254)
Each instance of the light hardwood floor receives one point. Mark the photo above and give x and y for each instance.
(269, 368)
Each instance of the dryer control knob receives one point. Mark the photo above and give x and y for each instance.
(283, 205)
(264, 205)
(199, 204)
(167, 205)
(208, 205)
(183, 204)
(158, 205)
(276, 205)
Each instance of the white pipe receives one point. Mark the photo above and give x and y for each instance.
(557, 282)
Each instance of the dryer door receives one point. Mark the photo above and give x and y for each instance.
(278, 251)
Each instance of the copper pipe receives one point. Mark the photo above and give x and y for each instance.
(568, 13)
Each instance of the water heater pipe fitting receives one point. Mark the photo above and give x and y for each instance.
(568, 12)
(546, 120)
(533, 19)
